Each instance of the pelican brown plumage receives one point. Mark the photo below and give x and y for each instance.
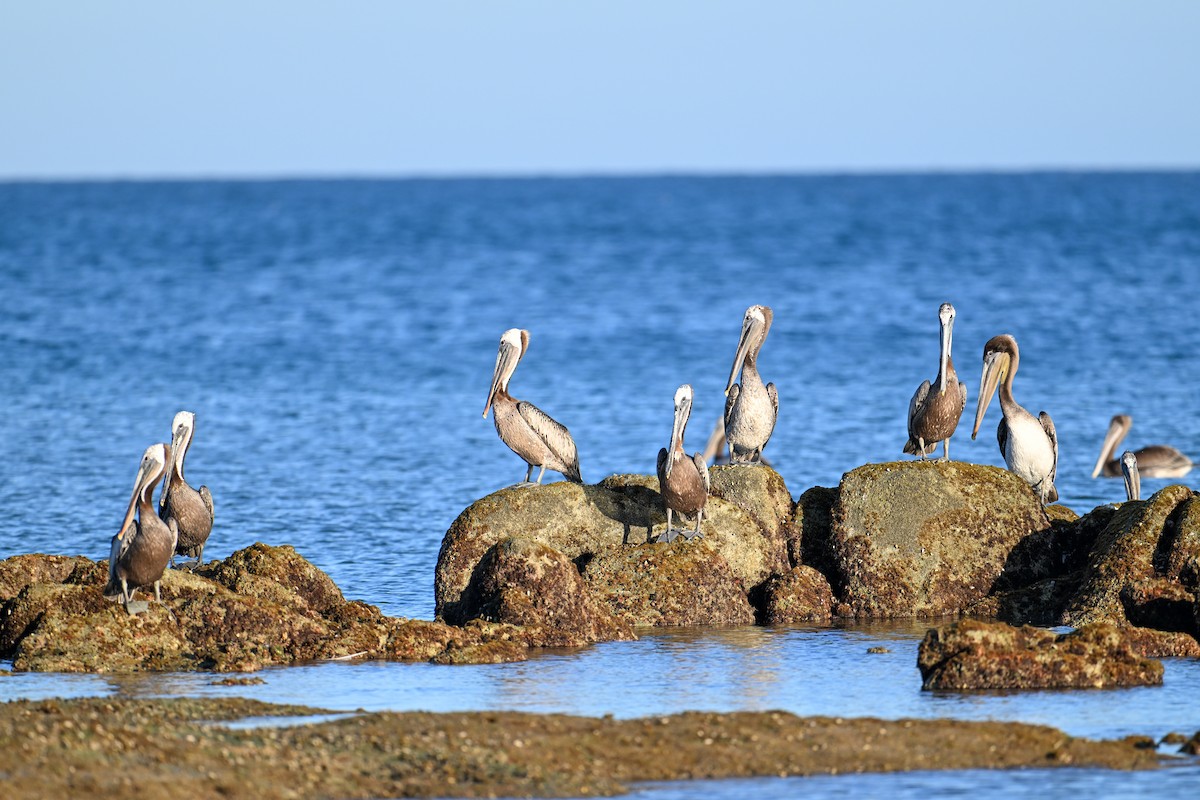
(1129, 471)
(682, 481)
(933, 416)
(191, 509)
(1029, 444)
(141, 549)
(1155, 461)
(751, 408)
(526, 429)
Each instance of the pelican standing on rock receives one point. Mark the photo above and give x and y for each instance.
(682, 481)
(1028, 443)
(526, 429)
(932, 418)
(751, 408)
(1155, 461)
(141, 550)
(191, 510)
(1129, 471)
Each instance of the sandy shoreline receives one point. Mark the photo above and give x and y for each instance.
(172, 749)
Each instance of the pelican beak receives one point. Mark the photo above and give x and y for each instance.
(1110, 443)
(743, 348)
(139, 484)
(682, 411)
(995, 367)
(944, 363)
(506, 361)
(1133, 481)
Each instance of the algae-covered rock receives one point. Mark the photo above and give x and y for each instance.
(523, 582)
(926, 538)
(977, 655)
(811, 528)
(677, 584)
(1183, 554)
(278, 574)
(800, 595)
(583, 522)
(1123, 554)
(18, 572)
(758, 490)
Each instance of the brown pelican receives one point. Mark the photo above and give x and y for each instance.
(932, 418)
(526, 429)
(191, 510)
(1155, 461)
(715, 449)
(683, 481)
(142, 549)
(1129, 471)
(751, 408)
(1028, 443)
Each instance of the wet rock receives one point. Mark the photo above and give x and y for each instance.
(926, 538)
(18, 572)
(679, 584)
(1161, 604)
(1123, 554)
(800, 595)
(1183, 551)
(1192, 746)
(587, 522)
(1150, 643)
(977, 655)
(809, 534)
(523, 582)
(1040, 603)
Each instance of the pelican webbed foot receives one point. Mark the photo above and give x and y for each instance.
(692, 534)
(135, 607)
(670, 535)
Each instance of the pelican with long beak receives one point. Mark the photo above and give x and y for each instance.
(750, 408)
(1129, 471)
(191, 509)
(1155, 461)
(932, 417)
(682, 481)
(526, 429)
(141, 549)
(1029, 444)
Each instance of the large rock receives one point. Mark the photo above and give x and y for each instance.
(759, 491)
(800, 595)
(18, 572)
(1183, 553)
(977, 655)
(680, 584)
(583, 522)
(1122, 555)
(811, 528)
(523, 582)
(926, 538)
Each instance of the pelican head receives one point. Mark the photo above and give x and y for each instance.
(755, 326)
(1118, 429)
(946, 317)
(1133, 481)
(183, 427)
(154, 461)
(683, 410)
(1000, 357)
(513, 345)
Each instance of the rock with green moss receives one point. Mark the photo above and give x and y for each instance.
(926, 538)
(978, 655)
(1123, 555)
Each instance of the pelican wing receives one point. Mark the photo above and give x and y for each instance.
(662, 467)
(206, 496)
(914, 405)
(731, 401)
(962, 405)
(774, 395)
(702, 468)
(555, 436)
(1048, 427)
(1002, 438)
(120, 544)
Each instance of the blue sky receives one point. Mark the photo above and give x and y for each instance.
(272, 88)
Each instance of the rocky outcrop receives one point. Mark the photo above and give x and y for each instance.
(977, 655)
(800, 595)
(926, 538)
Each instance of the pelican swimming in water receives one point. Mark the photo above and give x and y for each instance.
(1155, 461)
(141, 549)
(932, 417)
(526, 429)
(1129, 471)
(191, 510)
(751, 408)
(682, 481)
(1028, 443)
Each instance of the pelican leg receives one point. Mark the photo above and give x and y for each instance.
(689, 535)
(921, 447)
(670, 534)
(946, 449)
(540, 474)
(157, 592)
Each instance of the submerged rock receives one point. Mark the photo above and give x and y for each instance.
(977, 655)
(926, 538)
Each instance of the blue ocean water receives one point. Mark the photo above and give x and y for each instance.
(336, 341)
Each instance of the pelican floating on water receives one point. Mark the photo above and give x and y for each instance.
(751, 408)
(1129, 471)
(191, 510)
(932, 418)
(1155, 461)
(1028, 443)
(526, 429)
(682, 481)
(141, 550)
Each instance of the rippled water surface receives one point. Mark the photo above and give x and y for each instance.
(336, 340)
